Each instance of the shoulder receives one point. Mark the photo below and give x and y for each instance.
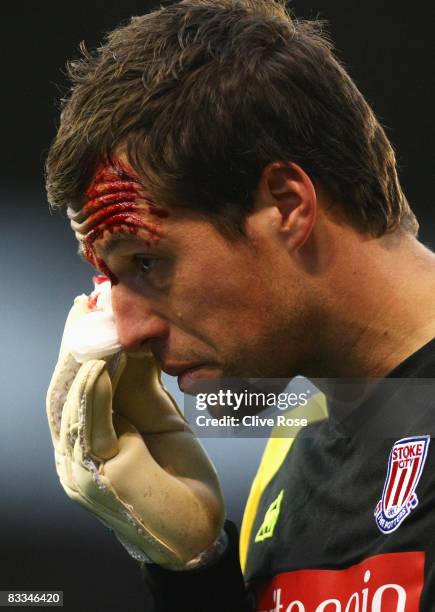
(275, 452)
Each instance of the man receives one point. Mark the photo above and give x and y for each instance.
(222, 169)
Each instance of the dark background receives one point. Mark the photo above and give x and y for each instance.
(46, 542)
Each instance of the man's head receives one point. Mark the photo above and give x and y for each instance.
(239, 123)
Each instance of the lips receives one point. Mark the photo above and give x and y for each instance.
(187, 374)
(175, 369)
(187, 378)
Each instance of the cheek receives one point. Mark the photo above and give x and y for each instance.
(231, 298)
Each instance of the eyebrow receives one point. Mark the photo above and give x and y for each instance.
(117, 240)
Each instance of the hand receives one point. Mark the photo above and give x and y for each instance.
(124, 451)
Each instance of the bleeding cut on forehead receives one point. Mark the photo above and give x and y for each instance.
(115, 203)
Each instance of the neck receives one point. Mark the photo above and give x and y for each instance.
(381, 309)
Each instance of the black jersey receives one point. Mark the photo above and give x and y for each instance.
(345, 523)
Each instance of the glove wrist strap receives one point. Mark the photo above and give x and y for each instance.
(206, 557)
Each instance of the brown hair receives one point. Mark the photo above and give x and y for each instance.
(204, 94)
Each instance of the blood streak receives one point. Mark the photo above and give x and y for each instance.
(115, 184)
(93, 298)
(99, 279)
(98, 262)
(114, 204)
(114, 197)
(101, 265)
(123, 222)
(116, 171)
(92, 302)
(108, 211)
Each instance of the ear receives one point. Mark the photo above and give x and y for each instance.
(290, 191)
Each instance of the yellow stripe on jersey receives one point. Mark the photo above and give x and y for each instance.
(274, 454)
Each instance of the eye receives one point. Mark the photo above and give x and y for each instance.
(146, 264)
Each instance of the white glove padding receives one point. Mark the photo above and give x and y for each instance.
(139, 468)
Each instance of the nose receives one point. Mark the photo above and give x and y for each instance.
(137, 323)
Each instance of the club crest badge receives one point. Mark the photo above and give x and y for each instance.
(405, 466)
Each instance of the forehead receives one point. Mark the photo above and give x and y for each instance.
(111, 243)
(120, 212)
(114, 198)
(113, 181)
